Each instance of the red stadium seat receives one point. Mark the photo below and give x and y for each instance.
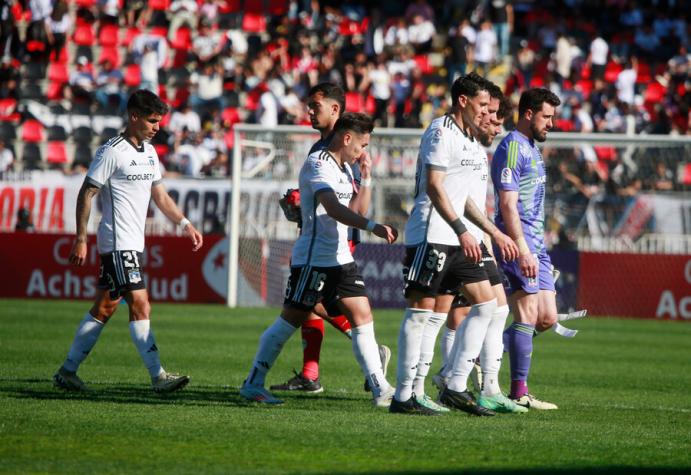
(8, 109)
(254, 6)
(183, 39)
(643, 73)
(58, 73)
(586, 87)
(278, 7)
(88, 4)
(253, 22)
(161, 31)
(35, 46)
(32, 131)
(422, 61)
(612, 70)
(108, 35)
(84, 35)
(685, 177)
(56, 153)
(128, 35)
(55, 91)
(161, 151)
(133, 75)
(654, 93)
(354, 102)
(370, 104)
(229, 6)
(605, 153)
(112, 54)
(564, 125)
(161, 5)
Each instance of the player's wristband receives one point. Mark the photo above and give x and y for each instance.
(458, 226)
(365, 182)
(522, 246)
(370, 225)
(183, 223)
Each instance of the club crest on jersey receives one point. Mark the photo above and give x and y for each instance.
(151, 162)
(506, 175)
(436, 136)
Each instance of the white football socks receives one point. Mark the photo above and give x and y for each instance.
(270, 345)
(366, 352)
(470, 336)
(448, 336)
(409, 341)
(88, 331)
(429, 339)
(492, 351)
(143, 338)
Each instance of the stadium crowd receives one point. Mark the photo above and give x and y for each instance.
(618, 66)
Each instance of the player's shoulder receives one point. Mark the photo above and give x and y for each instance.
(117, 144)
(319, 159)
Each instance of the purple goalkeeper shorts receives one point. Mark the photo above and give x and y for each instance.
(515, 281)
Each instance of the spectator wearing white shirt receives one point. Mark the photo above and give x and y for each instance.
(626, 83)
(563, 57)
(207, 44)
(485, 48)
(184, 12)
(208, 93)
(58, 24)
(380, 87)
(599, 49)
(420, 34)
(185, 119)
(397, 34)
(40, 13)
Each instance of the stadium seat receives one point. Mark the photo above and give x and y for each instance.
(564, 125)
(371, 104)
(57, 132)
(161, 151)
(88, 4)
(183, 39)
(254, 6)
(422, 61)
(82, 154)
(160, 5)
(82, 134)
(133, 75)
(685, 178)
(229, 6)
(8, 132)
(8, 109)
(586, 87)
(32, 131)
(654, 93)
(128, 35)
(354, 102)
(35, 47)
(605, 153)
(277, 7)
(58, 73)
(253, 22)
(108, 35)
(230, 116)
(612, 70)
(643, 74)
(34, 70)
(31, 157)
(56, 153)
(84, 35)
(161, 31)
(112, 54)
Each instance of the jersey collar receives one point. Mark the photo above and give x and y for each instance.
(453, 121)
(138, 149)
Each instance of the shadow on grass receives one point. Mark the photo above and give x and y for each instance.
(123, 393)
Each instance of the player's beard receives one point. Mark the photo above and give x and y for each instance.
(537, 135)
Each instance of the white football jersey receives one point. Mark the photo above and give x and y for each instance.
(444, 146)
(323, 241)
(478, 187)
(124, 175)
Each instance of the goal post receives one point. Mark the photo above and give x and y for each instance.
(267, 161)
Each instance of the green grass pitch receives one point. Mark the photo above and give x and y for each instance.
(622, 386)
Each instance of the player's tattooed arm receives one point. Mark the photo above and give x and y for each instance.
(508, 248)
(86, 194)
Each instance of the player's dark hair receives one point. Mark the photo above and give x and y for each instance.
(330, 91)
(532, 99)
(469, 86)
(145, 103)
(355, 122)
(505, 107)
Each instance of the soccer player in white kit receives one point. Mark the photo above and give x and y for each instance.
(442, 255)
(126, 173)
(322, 266)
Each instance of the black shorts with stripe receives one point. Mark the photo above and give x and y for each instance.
(309, 285)
(435, 269)
(120, 272)
(493, 274)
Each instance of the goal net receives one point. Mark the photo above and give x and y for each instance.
(266, 162)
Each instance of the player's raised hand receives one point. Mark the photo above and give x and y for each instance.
(386, 232)
(528, 265)
(471, 248)
(506, 245)
(195, 236)
(78, 252)
(365, 162)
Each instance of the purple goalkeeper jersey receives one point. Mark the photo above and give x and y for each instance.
(517, 165)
